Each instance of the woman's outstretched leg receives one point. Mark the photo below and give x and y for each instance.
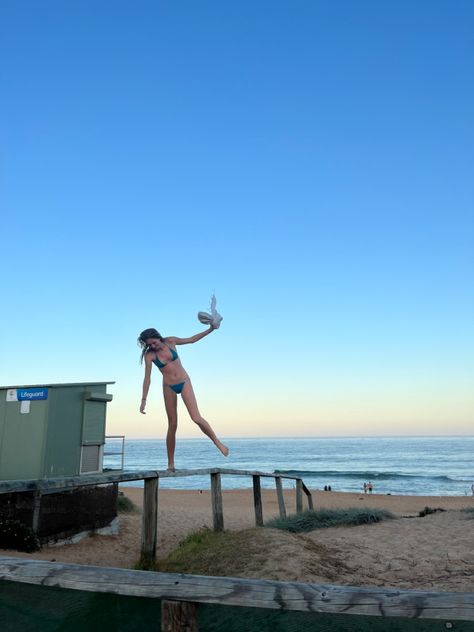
(171, 406)
(189, 400)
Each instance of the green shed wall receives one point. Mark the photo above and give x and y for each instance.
(63, 439)
(22, 438)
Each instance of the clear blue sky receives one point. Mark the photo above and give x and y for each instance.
(311, 162)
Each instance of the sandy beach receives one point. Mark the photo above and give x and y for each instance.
(435, 552)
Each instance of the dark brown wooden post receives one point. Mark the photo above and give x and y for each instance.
(150, 520)
(299, 495)
(178, 616)
(308, 496)
(257, 499)
(36, 510)
(216, 495)
(281, 500)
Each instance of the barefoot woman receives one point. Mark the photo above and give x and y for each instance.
(162, 352)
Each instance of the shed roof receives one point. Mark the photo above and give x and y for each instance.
(43, 384)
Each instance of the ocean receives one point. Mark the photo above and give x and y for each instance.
(435, 466)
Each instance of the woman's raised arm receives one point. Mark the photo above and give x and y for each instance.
(186, 341)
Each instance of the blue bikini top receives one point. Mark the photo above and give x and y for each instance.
(160, 364)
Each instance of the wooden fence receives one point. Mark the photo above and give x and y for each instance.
(151, 480)
(181, 594)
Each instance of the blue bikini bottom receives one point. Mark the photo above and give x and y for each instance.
(177, 388)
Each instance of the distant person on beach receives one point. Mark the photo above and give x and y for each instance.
(365, 488)
(162, 352)
(472, 489)
(370, 487)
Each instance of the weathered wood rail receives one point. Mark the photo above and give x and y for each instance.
(183, 592)
(151, 480)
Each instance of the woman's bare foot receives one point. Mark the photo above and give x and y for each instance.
(171, 467)
(223, 448)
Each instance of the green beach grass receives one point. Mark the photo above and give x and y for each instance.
(324, 518)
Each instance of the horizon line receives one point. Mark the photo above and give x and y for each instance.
(250, 438)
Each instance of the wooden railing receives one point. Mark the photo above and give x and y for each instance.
(181, 593)
(150, 494)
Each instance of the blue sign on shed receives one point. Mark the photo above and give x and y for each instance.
(31, 394)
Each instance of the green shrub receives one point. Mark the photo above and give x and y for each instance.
(429, 510)
(125, 505)
(324, 518)
(16, 535)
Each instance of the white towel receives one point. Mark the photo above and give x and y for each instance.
(214, 318)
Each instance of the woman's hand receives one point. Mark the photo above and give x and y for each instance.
(142, 406)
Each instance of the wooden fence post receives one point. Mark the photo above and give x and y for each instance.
(281, 500)
(308, 495)
(36, 511)
(178, 616)
(216, 495)
(257, 499)
(299, 495)
(150, 520)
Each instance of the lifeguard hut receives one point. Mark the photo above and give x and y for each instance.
(54, 431)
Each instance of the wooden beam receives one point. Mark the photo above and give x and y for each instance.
(326, 598)
(299, 495)
(219, 470)
(178, 616)
(149, 521)
(216, 496)
(281, 500)
(254, 473)
(257, 500)
(70, 482)
(308, 496)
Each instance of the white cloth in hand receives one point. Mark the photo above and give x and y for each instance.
(214, 318)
